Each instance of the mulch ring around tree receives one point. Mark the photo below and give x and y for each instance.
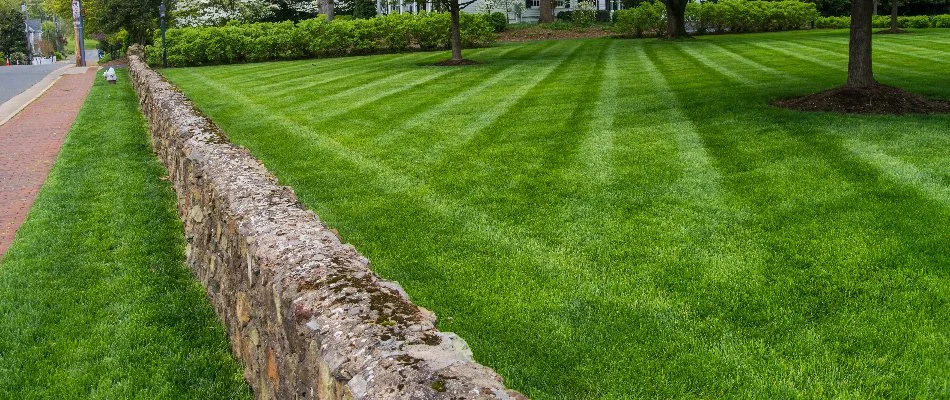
(877, 99)
(456, 63)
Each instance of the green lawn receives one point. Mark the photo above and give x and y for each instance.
(629, 218)
(95, 300)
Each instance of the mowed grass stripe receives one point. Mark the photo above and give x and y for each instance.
(599, 142)
(903, 50)
(414, 84)
(700, 180)
(723, 70)
(279, 85)
(902, 172)
(434, 114)
(336, 96)
(801, 56)
(787, 66)
(891, 71)
(296, 70)
(719, 48)
(439, 149)
(303, 79)
(917, 39)
(349, 106)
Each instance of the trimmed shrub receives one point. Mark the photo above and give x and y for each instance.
(647, 18)
(734, 16)
(941, 21)
(878, 21)
(565, 16)
(920, 21)
(498, 21)
(833, 22)
(602, 16)
(738, 16)
(238, 43)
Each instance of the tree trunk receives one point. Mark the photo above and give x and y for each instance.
(894, 27)
(859, 51)
(455, 31)
(327, 8)
(676, 19)
(547, 11)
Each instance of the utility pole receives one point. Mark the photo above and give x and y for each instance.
(161, 15)
(77, 30)
(26, 32)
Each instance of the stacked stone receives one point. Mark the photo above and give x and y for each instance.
(303, 310)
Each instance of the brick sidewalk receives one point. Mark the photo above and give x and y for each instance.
(29, 144)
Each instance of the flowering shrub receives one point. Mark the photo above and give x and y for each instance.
(584, 14)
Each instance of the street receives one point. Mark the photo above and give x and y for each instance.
(17, 78)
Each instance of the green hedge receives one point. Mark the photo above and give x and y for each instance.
(647, 17)
(238, 43)
(733, 16)
(884, 21)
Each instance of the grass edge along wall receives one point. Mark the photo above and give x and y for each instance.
(94, 295)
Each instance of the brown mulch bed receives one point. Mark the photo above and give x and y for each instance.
(542, 33)
(456, 63)
(118, 62)
(888, 31)
(877, 99)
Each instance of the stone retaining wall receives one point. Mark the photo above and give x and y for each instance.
(304, 312)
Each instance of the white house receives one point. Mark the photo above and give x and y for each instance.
(530, 9)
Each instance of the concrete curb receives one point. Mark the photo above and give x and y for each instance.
(13, 106)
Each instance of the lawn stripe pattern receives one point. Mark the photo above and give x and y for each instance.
(700, 180)
(605, 219)
(751, 63)
(723, 70)
(900, 171)
(432, 114)
(438, 150)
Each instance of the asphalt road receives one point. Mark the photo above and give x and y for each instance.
(17, 78)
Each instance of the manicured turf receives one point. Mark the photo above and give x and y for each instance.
(629, 218)
(95, 301)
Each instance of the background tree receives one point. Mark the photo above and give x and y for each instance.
(676, 18)
(220, 12)
(139, 18)
(293, 10)
(832, 8)
(547, 11)
(12, 37)
(894, 5)
(364, 9)
(326, 6)
(455, 31)
(860, 73)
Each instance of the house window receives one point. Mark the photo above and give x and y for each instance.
(532, 3)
